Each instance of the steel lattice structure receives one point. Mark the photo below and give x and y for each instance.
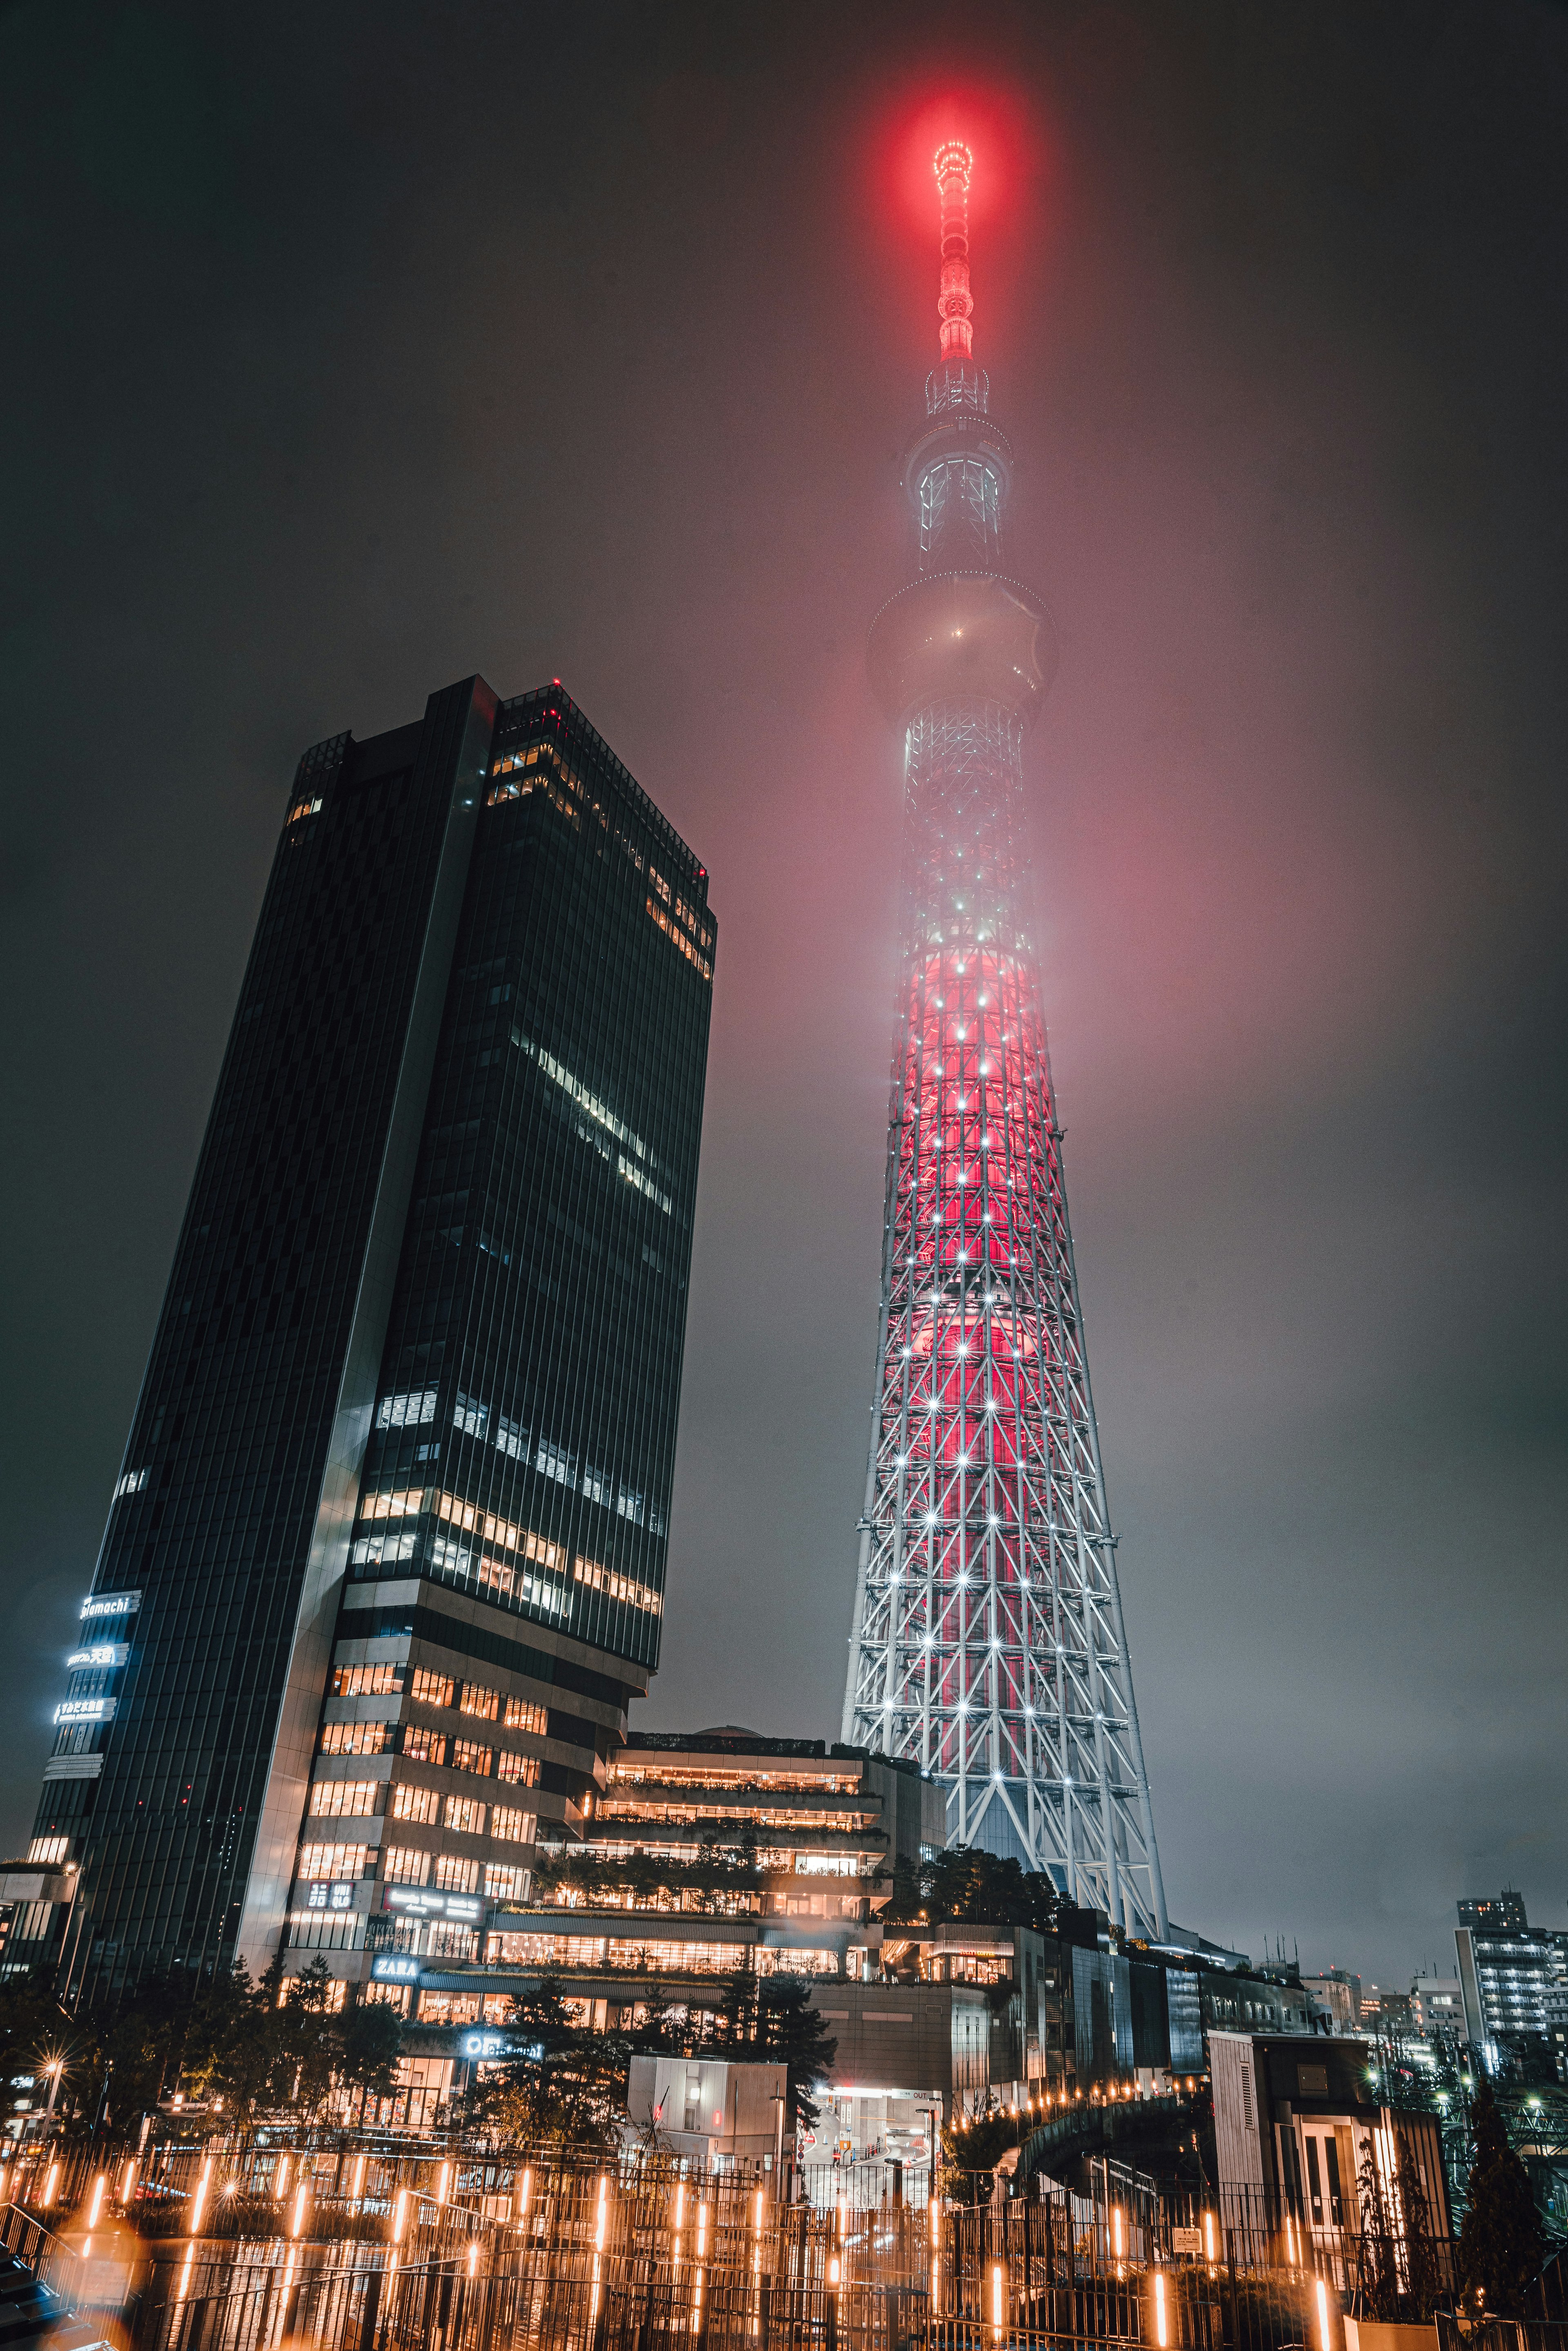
(989, 1642)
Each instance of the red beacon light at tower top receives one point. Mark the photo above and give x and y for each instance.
(953, 164)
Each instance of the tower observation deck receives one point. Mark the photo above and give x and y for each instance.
(988, 1640)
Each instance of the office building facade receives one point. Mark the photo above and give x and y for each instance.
(385, 1561)
(1513, 1982)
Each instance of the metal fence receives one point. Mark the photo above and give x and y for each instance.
(358, 2247)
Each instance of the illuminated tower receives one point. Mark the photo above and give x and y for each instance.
(989, 1642)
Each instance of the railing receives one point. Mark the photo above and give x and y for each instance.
(490, 2252)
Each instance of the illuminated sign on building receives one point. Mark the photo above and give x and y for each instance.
(112, 1604)
(336, 1895)
(425, 1905)
(85, 1709)
(392, 1968)
(102, 1653)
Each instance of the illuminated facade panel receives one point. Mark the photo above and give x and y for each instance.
(988, 1642)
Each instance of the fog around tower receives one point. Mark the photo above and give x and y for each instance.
(368, 351)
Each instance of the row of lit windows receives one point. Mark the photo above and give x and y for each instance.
(688, 1959)
(600, 1111)
(404, 1864)
(679, 1773)
(671, 931)
(426, 1688)
(773, 1816)
(429, 1746)
(498, 1574)
(619, 1587)
(465, 1815)
(349, 1799)
(548, 765)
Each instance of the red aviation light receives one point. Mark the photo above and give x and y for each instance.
(953, 164)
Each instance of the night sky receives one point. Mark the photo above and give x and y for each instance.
(353, 349)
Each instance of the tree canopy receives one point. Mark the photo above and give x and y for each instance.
(963, 1883)
(1502, 2245)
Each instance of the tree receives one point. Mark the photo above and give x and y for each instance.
(36, 2033)
(790, 2028)
(143, 2045)
(1422, 2283)
(665, 2030)
(306, 2042)
(962, 1882)
(1501, 2246)
(1379, 2278)
(233, 2049)
(563, 2085)
(371, 2038)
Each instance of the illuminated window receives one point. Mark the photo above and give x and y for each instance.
(512, 1828)
(619, 1587)
(505, 1881)
(465, 1815)
(645, 1184)
(470, 1414)
(404, 1865)
(414, 1803)
(454, 1557)
(553, 1950)
(412, 1409)
(49, 1848)
(477, 1699)
(629, 1505)
(367, 1681)
(331, 1860)
(131, 1483)
(522, 1714)
(556, 1464)
(405, 1504)
(425, 1746)
(455, 1876)
(511, 1437)
(496, 1575)
(468, 1755)
(356, 1738)
(449, 2007)
(333, 1796)
(599, 1112)
(522, 1770)
(429, 1689)
(460, 1513)
(770, 1962)
(304, 808)
(372, 1550)
(678, 937)
(450, 1942)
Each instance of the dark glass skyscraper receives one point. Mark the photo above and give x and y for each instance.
(385, 1561)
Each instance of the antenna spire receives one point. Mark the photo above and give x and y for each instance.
(954, 303)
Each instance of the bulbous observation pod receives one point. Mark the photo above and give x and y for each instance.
(961, 635)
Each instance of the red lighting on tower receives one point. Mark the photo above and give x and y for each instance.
(955, 305)
(988, 1642)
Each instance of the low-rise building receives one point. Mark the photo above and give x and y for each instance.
(1437, 2008)
(725, 2116)
(1337, 1993)
(1296, 2125)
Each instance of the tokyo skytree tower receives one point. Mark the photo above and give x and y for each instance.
(988, 1642)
